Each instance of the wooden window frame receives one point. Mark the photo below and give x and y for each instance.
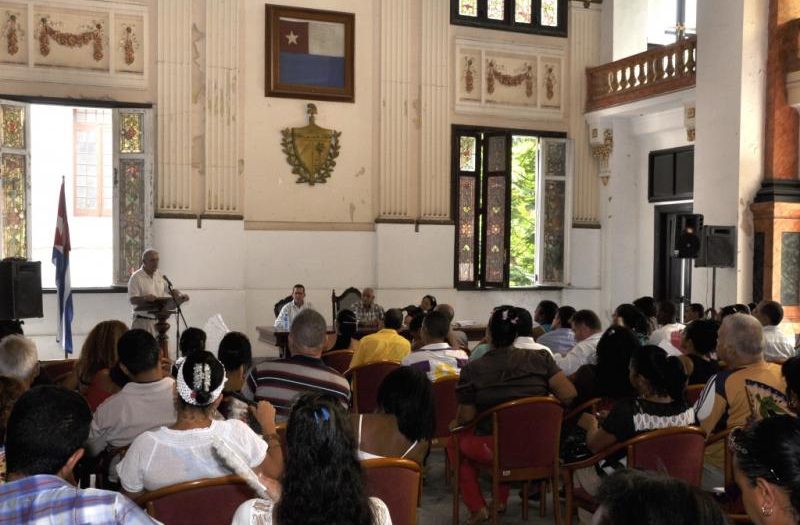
(508, 23)
(674, 196)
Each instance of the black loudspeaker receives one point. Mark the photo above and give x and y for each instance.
(686, 235)
(20, 289)
(718, 249)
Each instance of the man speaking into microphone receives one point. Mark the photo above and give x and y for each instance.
(145, 286)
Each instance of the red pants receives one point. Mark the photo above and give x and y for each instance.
(476, 451)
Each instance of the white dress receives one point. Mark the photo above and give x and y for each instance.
(259, 512)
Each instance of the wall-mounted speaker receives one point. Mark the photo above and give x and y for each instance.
(20, 289)
(718, 247)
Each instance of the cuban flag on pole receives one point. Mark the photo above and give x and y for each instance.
(311, 53)
(61, 248)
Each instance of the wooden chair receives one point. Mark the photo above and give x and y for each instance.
(693, 393)
(590, 405)
(397, 482)
(280, 304)
(346, 301)
(730, 501)
(57, 371)
(365, 380)
(446, 404)
(676, 451)
(526, 434)
(207, 501)
(339, 360)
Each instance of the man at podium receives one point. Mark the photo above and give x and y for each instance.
(146, 286)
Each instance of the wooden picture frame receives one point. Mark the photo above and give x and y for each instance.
(309, 54)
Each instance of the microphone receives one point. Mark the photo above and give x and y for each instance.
(167, 279)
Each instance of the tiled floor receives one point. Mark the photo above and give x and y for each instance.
(437, 500)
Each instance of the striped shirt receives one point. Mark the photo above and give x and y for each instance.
(281, 381)
(46, 500)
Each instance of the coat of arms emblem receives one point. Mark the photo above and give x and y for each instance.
(311, 150)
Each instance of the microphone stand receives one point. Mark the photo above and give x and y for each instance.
(178, 319)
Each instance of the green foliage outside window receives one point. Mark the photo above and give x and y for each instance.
(522, 267)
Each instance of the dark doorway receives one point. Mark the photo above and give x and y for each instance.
(667, 269)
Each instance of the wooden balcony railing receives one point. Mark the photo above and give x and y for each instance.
(664, 70)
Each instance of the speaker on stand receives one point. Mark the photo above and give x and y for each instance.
(717, 250)
(20, 289)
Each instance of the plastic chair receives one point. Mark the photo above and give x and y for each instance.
(677, 452)
(397, 482)
(526, 434)
(208, 501)
(339, 360)
(365, 380)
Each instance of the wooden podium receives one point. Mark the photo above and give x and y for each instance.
(161, 309)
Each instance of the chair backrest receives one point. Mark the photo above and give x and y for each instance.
(444, 396)
(527, 433)
(677, 452)
(365, 382)
(58, 370)
(280, 304)
(693, 393)
(346, 301)
(339, 360)
(397, 483)
(204, 501)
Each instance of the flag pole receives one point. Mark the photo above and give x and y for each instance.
(66, 354)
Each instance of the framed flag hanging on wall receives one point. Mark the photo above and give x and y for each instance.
(309, 54)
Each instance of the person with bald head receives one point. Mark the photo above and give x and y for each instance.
(145, 286)
(456, 338)
(368, 312)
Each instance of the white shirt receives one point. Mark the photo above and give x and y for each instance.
(527, 343)
(583, 353)
(779, 346)
(665, 334)
(165, 457)
(259, 512)
(135, 409)
(288, 313)
(437, 360)
(141, 284)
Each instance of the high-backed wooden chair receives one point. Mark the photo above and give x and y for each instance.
(365, 380)
(277, 307)
(209, 501)
(526, 434)
(346, 301)
(339, 360)
(397, 482)
(677, 452)
(57, 371)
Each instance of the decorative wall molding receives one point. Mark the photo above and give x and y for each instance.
(510, 80)
(602, 143)
(75, 42)
(689, 120)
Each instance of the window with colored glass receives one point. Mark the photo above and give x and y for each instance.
(547, 17)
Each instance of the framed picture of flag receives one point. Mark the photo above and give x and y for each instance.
(309, 54)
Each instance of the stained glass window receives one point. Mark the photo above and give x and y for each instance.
(466, 229)
(522, 11)
(13, 130)
(130, 140)
(131, 213)
(496, 10)
(556, 156)
(553, 231)
(468, 7)
(15, 238)
(550, 13)
(497, 153)
(467, 156)
(495, 230)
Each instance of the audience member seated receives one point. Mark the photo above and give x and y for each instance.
(667, 325)
(145, 403)
(634, 497)
(525, 340)
(427, 304)
(561, 338)
(10, 391)
(733, 309)
(280, 381)
(11, 327)
(631, 317)
(436, 358)
(693, 312)
(46, 430)
(404, 423)
(346, 325)
(384, 345)
(767, 470)
(192, 339)
(185, 451)
(700, 344)
(323, 481)
(410, 312)
(505, 373)
(456, 338)
(368, 312)
(790, 370)
(660, 383)
(588, 331)
(778, 346)
(236, 355)
(610, 376)
(649, 308)
(415, 331)
(19, 359)
(543, 316)
(291, 309)
(91, 375)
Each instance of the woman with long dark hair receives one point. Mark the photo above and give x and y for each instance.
(610, 376)
(631, 317)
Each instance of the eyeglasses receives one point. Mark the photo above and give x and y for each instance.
(735, 444)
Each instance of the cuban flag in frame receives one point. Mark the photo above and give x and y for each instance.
(311, 53)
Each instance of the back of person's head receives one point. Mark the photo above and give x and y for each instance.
(447, 310)
(503, 326)
(393, 318)
(633, 318)
(667, 312)
(634, 497)
(436, 325)
(791, 373)
(235, 351)
(346, 322)
(416, 323)
(321, 460)
(664, 374)
(698, 310)
(703, 335)
(614, 351)
(547, 311)
(10, 328)
(743, 335)
(413, 311)
(588, 319)
(138, 351)
(647, 305)
(308, 331)
(192, 339)
(564, 315)
(46, 426)
(99, 350)
(407, 393)
(524, 323)
(200, 379)
(731, 309)
(770, 449)
(19, 358)
(10, 390)
(771, 311)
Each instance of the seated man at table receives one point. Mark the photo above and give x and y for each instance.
(385, 344)
(281, 381)
(292, 308)
(437, 358)
(368, 312)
